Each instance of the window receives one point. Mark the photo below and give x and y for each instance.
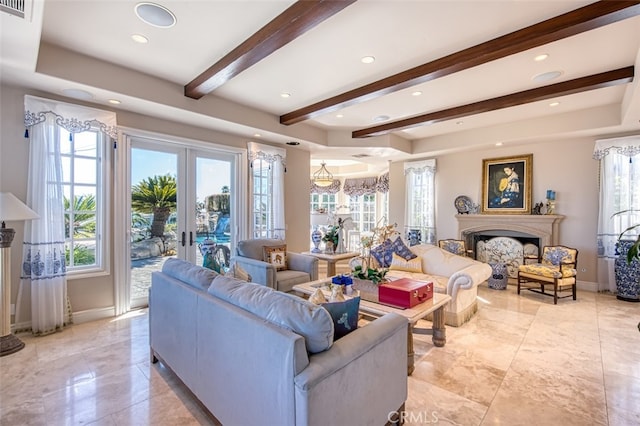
(267, 175)
(363, 211)
(83, 190)
(420, 201)
(323, 201)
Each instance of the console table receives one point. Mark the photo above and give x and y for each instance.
(331, 259)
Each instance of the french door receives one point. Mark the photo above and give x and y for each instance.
(182, 200)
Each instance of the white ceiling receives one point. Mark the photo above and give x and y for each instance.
(86, 44)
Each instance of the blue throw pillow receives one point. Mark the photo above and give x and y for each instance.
(383, 253)
(399, 247)
(344, 315)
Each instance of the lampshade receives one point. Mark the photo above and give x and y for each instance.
(11, 208)
(322, 177)
(319, 219)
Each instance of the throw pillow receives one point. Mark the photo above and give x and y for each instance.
(276, 255)
(400, 248)
(344, 315)
(398, 263)
(237, 271)
(382, 253)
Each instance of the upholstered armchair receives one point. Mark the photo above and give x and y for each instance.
(557, 266)
(269, 263)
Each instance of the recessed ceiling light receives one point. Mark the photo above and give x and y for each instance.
(139, 38)
(498, 143)
(114, 102)
(459, 122)
(285, 95)
(368, 59)
(257, 135)
(339, 115)
(541, 57)
(293, 143)
(416, 93)
(78, 94)
(546, 76)
(155, 15)
(554, 104)
(380, 118)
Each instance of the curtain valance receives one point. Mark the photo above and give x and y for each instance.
(73, 118)
(360, 186)
(627, 146)
(334, 188)
(267, 153)
(420, 166)
(383, 183)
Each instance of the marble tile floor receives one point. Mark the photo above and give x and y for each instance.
(519, 361)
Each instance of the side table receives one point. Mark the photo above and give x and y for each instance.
(331, 259)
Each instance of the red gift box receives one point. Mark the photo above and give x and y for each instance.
(405, 292)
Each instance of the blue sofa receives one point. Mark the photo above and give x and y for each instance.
(253, 355)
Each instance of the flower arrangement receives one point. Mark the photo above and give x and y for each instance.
(332, 235)
(374, 275)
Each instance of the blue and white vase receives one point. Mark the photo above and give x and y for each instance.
(316, 238)
(627, 274)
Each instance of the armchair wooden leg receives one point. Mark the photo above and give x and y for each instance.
(574, 288)
(518, 282)
(555, 292)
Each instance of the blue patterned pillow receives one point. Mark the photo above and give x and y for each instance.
(383, 253)
(398, 246)
(345, 316)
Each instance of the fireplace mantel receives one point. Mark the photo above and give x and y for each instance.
(543, 226)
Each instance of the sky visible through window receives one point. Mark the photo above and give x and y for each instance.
(212, 174)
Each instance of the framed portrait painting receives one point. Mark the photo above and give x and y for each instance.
(506, 185)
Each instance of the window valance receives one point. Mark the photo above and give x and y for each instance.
(383, 183)
(73, 118)
(420, 166)
(627, 146)
(267, 153)
(334, 188)
(360, 186)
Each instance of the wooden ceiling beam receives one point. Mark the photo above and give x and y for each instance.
(575, 22)
(596, 81)
(299, 18)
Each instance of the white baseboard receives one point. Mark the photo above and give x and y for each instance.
(588, 286)
(93, 314)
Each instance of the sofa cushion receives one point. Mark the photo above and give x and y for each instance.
(400, 248)
(285, 310)
(254, 248)
(382, 253)
(194, 275)
(276, 255)
(344, 315)
(398, 263)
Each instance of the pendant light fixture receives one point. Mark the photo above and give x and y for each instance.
(322, 177)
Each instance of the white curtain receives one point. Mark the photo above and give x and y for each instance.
(420, 201)
(619, 169)
(43, 274)
(277, 160)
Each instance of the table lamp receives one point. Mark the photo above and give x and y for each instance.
(11, 209)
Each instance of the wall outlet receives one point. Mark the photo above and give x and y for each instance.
(13, 309)
(583, 270)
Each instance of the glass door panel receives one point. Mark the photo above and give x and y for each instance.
(154, 215)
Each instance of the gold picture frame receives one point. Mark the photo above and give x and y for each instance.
(506, 185)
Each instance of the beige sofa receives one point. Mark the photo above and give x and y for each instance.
(451, 274)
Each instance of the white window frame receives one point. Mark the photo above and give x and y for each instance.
(103, 189)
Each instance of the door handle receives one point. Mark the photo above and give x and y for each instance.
(190, 238)
(184, 236)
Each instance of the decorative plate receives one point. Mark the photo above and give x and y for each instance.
(463, 204)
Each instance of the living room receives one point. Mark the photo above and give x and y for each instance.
(561, 144)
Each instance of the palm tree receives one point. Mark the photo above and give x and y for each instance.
(84, 216)
(155, 195)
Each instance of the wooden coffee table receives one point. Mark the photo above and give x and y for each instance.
(371, 309)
